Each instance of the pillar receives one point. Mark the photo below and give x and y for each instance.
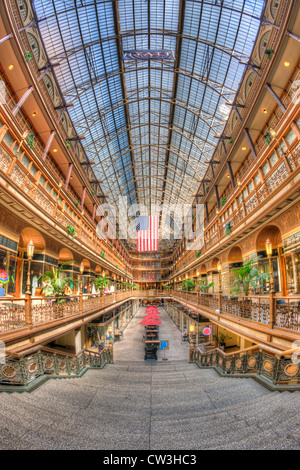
(68, 176)
(83, 198)
(231, 175)
(250, 143)
(276, 98)
(22, 101)
(78, 342)
(48, 145)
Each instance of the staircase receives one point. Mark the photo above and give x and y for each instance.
(150, 406)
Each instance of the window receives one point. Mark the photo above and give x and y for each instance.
(234, 206)
(250, 187)
(265, 169)
(48, 188)
(25, 161)
(245, 193)
(33, 170)
(240, 199)
(290, 137)
(42, 181)
(273, 159)
(257, 179)
(281, 149)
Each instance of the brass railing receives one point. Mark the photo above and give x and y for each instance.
(23, 370)
(277, 370)
(280, 312)
(26, 312)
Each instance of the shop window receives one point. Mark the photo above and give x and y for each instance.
(265, 169)
(245, 193)
(290, 137)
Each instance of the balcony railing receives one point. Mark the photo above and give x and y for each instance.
(273, 370)
(279, 312)
(19, 313)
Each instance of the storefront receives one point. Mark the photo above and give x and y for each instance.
(292, 263)
(8, 266)
(40, 264)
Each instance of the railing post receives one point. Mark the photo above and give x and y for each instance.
(220, 301)
(80, 303)
(28, 310)
(272, 318)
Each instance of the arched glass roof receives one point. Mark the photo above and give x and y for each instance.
(150, 126)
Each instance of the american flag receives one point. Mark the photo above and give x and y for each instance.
(147, 233)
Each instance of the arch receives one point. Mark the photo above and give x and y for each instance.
(203, 269)
(31, 234)
(271, 232)
(86, 264)
(98, 270)
(214, 264)
(65, 255)
(235, 255)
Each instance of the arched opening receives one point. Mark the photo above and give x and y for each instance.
(66, 258)
(39, 263)
(272, 263)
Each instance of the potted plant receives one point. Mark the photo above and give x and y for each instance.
(188, 285)
(101, 283)
(228, 228)
(198, 254)
(54, 286)
(221, 340)
(223, 201)
(204, 287)
(246, 276)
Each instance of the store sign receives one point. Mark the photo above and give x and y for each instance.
(206, 331)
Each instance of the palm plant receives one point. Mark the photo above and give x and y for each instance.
(203, 286)
(101, 282)
(246, 276)
(55, 285)
(188, 285)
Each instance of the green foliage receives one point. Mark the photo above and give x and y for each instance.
(223, 201)
(30, 141)
(188, 285)
(68, 145)
(221, 338)
(228, 228)
(198, 254)
(28, 56)
(55, 286)
(246, 276)
(102, 282)
(71, 230)
(203, 286)
(269, 53)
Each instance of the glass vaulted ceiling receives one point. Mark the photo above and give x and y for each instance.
(150, 127)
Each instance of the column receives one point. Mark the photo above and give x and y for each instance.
(250, 143)
(22, 101)
(68, 176)
(231, 175)
(276, 98)
(78, 343)
(83, 198)
(48, 145)
(3, 131)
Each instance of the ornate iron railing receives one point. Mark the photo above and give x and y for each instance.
(22, 371)
(274, 370)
